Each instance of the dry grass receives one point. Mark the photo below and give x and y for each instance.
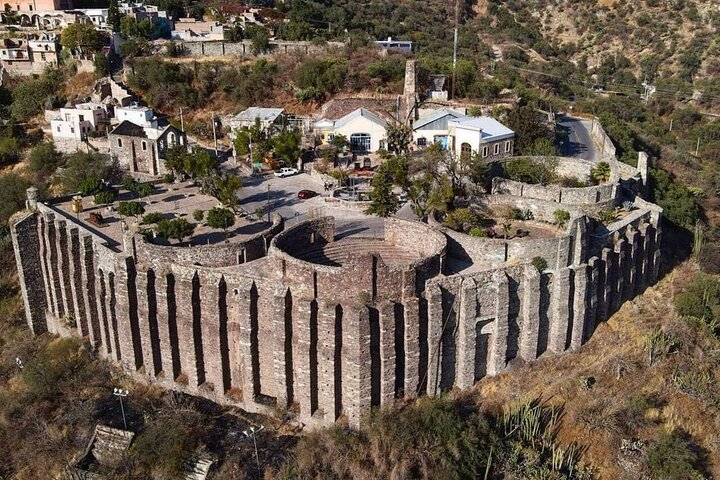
(641, 403)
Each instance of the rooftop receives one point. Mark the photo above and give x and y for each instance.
(264, 114)
(360, 112)
(436, 115)
(489, 127)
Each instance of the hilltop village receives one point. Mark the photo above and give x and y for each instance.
(279, 223)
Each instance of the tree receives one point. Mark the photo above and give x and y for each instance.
(256, 136)
(529, 126)
(43, 158)
(479, 170)
(132, 28)
(175, 159)
(399, 137)
(81, 167)
(83, 37)
(227, 187)
(105, 197)
(220, 218)
(130, 209)
(199, 163)
(383, 202)
(286, 146)
(177, 229)
(102, 65)
(10, 147)
(12, 195)
(340, 141)
(260, 40)
(670, 457)
(113, 16)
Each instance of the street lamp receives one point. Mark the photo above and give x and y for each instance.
(253, 432)
(120, 393)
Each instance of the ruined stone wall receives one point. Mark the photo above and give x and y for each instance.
(330, 341)
(600, 196)
(244, 48)
(220, 255)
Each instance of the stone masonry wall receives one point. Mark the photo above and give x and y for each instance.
(330, 342)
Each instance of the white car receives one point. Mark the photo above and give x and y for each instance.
(286, 172)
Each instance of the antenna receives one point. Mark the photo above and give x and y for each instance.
(455, 43)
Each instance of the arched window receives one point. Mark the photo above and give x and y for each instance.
(497, 148)
(144, 145)
(119, 142)
(465, 151)
(485, 152)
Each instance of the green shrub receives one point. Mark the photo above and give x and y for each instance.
(130, 209)
(198, 215)
(168, 178)
(607, 216)
(669, 457)
(478, 232)
(601, 172)
(532, 170)
(540, 264)
(164, 446)
(152, 217)
(105, 197)
(562, 217)
(463, 219)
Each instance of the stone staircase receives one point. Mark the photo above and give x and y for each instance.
(344, 250)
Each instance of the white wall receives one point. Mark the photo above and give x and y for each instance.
(364, 125)
(141, 117)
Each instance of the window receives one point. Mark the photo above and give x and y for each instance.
(58, 128)
(330, 137)
(497, 148)
(360, 142)
(119, 142)
(421, 142)
(172, 138)
(72, 129)
(465, 151)
(42, 57)
(67, 117)
(507, 146)
(144, 146)
(81, 117)
(485, 152)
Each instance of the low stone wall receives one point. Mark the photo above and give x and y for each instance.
(604, 194)
(217, 48)
(217, 255)
(558, 252)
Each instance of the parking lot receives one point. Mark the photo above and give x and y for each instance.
(283, 199)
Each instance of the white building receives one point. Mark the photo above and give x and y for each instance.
(404, 46)
(433, 128)
(77, 122)
(483, 135)
(269, 117)
(137, 114)
(365, 130)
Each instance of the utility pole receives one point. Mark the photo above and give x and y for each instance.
(253, 432)
(671, 122)
(214, 135)
(120, 393)
(455, 43)
(182, 122)
(697, 148)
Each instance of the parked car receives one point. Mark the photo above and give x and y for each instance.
(305, 194)
(286, 172)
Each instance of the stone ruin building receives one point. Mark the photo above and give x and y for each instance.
(330, 326)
